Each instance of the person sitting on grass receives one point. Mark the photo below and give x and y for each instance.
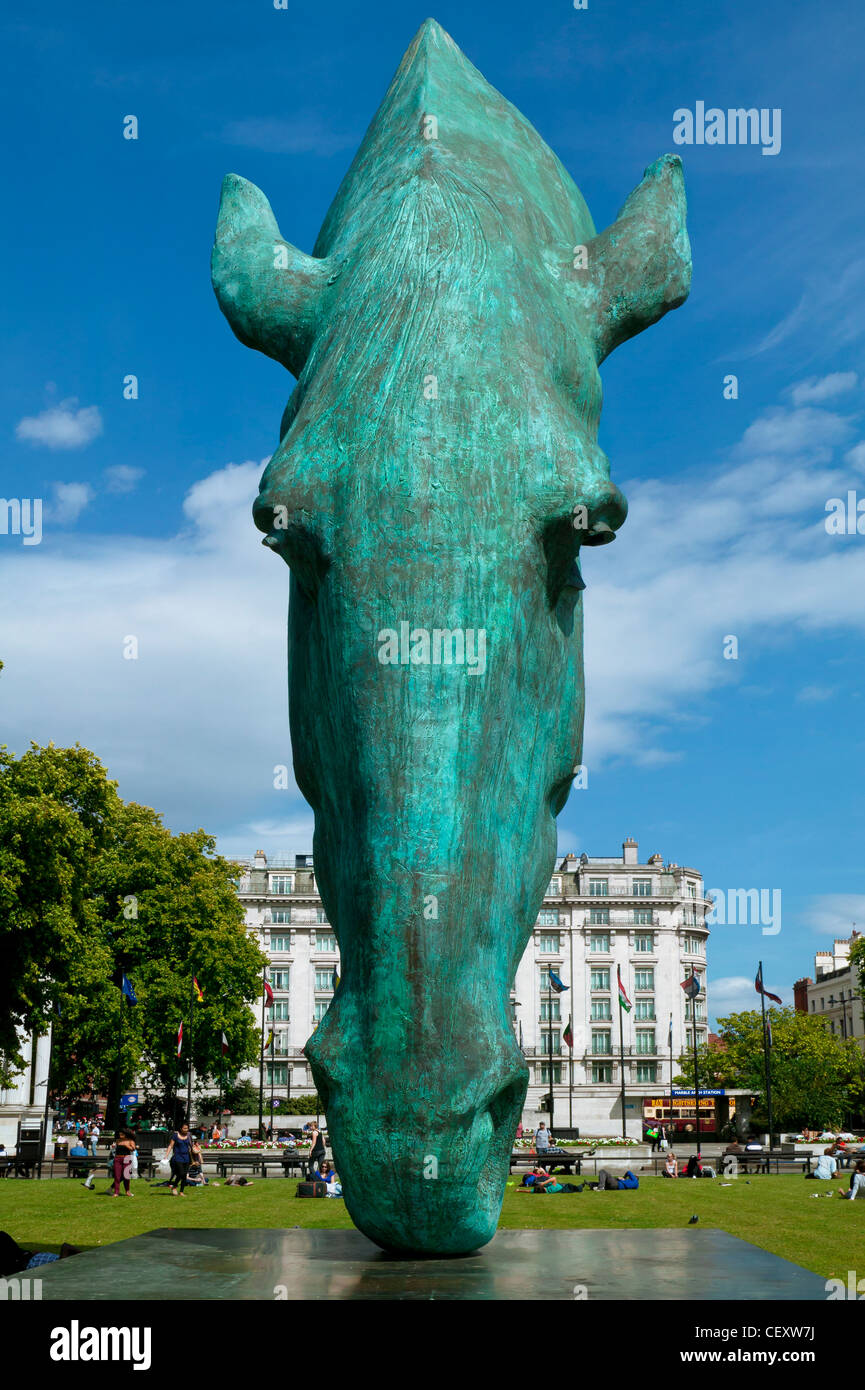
(195, 1177)
(857, 1182)
(826, 1167)
(671, 1167)
(697, 1168)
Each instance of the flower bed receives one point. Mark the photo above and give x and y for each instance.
(587, 1141)
(255, 1144)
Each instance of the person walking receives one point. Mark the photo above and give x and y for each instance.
(179, 1154)
(94, 1138)
(654, 1134)
(124, 1148)
(316, 1148)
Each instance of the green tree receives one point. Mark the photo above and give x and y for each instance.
(817, 1079)
(92, 888)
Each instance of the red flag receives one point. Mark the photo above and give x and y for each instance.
(180, 1037)
(197, 987)
(691, 986)
(268, 993)
(758, 985)
(568, 1035)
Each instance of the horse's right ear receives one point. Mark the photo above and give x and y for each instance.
(267, 289)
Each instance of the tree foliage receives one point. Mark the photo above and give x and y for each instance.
(91, 888)
(817, 1079)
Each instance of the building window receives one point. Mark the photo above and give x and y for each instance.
(813, 1002)
(645, 1039)
(544, 1070)
(545, 976)
(644, 942)
(600, 977)
(548, 917)
(278, 1011)
(642, 888)
(643, 916)
(280, 1043)
(555, 888)
(325, 941)
(556, 1007)
(692, 890)
(644, 1008)
(689, 971)
(321, 1008)
(324, 978)
(545, 1042)
(647, 1071)
(644, 979)
(598, 888)
(599, 942)
(282, 883)
(601, 1042)
(276, 1074)
(600, 1010)
(549, 943)
(693, 946)
(281, 916)
(602, 1073)
(279, 979)
(280, 943)
(320, 914)
(599, 916)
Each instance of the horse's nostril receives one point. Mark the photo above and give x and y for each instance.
(599, 534)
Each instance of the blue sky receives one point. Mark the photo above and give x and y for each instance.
(750, 769)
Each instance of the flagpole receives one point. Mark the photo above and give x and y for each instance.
(670, 1126)
(261, 1058)
(272, 1070)
(766, 1066)
(550, 1037)
(696, 1069)
(571, 1044)
(622, 1058)
(191, 1035)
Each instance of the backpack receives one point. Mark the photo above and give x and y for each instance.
(311, 1189)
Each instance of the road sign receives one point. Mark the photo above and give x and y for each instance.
(127, 1102)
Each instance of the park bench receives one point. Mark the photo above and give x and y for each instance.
(246, 1162)
(549, 1160)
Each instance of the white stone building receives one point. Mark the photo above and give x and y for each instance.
(599, 913)
(25, 1099)
(834, 993)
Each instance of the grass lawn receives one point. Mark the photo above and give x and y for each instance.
(777, 1213)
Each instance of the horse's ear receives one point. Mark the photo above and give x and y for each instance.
(640, 267)
(267, 289)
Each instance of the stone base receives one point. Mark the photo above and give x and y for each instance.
(268, 1265)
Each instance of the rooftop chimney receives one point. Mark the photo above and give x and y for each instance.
(629, 851)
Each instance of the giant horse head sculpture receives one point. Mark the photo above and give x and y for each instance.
(436, 476)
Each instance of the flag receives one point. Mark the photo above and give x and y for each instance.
(224, 1044)
(180, 1037)
(769, 1030)
(268, 993)
(758, 985)
(197, 987)
(670, 1034)
(268, 1040)
(126, 986)
(521, 1037)
(334, 981)
(624, 1001)
(558, 985)
(568, 1035)
(691, 986)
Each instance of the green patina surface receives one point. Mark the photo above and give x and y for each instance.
(438, 471)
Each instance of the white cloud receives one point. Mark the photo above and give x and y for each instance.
(70, 499)
(815, 694)
(732, 994)
(824, 388)
(61, 426)
(122, 478)
(835, 914)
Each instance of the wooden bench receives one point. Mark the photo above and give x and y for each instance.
(549, 1161)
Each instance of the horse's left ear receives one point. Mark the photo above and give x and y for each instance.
(267, 289)
(640, 267)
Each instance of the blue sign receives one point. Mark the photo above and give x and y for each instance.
(703, 1092)
(127, 1102)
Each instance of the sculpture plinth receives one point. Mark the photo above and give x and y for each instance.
(437, 473)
